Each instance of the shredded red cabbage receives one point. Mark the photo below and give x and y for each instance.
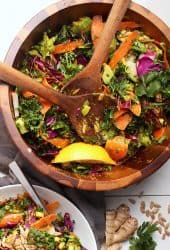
(51, 133)
(68, 222)
(81, 59)
(146, 64)
(50, 120)
(47, 68)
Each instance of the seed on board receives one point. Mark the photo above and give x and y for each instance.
(160, 230)
(132, 201)
(167, 233)
(147, 213)
(142, 207)
(163, 236)
(155, 210)
(168, 209)
(157, 205)
(140, 194)
(152, 205)
(167, 226)
(152, 215)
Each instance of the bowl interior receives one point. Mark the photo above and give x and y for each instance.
(147, 160)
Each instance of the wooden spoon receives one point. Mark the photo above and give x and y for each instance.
(89, 79)
(86, 126)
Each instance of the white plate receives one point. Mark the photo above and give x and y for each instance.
(82, 227)
(164, 201)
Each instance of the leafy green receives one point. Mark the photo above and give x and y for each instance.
(41, 239)
(82, 25)
(29, 109)
(144, 240)
(125, 88)
(65, 34)
(139, 47)
(69, 66)
(45, 47)
(154, 83)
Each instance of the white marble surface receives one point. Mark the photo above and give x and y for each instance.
(14, 14)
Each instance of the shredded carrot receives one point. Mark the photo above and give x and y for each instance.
(158, 133)
(117, 147)
(136, 109)
(128, 25)
(27, 94)
(96, 29)
(44, 221)
(123, 49)
(46, 105)
(45, 83)
(67, 47)
(58, 142)
(105, 89)
(51, 207)
(123, 121)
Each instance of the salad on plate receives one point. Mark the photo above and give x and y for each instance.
(25, 226)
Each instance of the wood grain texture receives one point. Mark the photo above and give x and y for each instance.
(146, 161)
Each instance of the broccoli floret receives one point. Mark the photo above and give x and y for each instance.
(125, 89)
(21, 125)
(144, 138)
(139, 47)
(82, 25)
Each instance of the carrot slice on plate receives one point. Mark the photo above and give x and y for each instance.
(158, 133)
(10, 218)
(67, 47)
(44, 221)
(51, 207)
(117, 147)
(96, 29)
(123, 49)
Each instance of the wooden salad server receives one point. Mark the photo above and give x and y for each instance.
(86, 124)
(89, 79)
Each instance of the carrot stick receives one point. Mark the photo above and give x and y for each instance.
(67, 47)
(117, 147)
(158, 133)
(123, 49)
(123, 121)
(51, 207)
(44, 221)
(105, 89)
(27, 94)
(96, 29)
(10, 218)
(58, 142)
(128, 25)
(136, 109)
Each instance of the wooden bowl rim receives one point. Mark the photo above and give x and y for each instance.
(52, 172)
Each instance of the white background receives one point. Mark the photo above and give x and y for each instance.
(14, 14)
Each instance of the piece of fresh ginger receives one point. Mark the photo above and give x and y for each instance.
(122, 214)
(125, 231)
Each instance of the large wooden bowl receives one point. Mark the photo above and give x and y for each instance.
(146, 161)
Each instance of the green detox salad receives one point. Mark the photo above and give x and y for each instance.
(25, 226)
(137, 76)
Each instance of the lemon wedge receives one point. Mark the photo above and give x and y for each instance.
(83, 152)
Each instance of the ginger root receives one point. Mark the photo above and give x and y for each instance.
(125, 231)
(112, 225)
